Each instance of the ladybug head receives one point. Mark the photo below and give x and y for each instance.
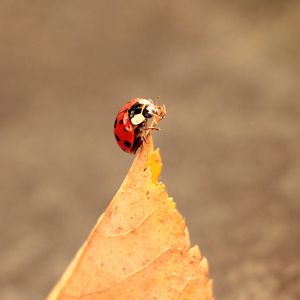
(143, 109)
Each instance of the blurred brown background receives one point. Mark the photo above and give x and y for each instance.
(229, 73)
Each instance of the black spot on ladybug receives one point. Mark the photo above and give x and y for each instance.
(115, 123)
(117, 138)
(121, 122)
(127, 144)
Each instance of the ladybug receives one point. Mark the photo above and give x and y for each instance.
(130, 128)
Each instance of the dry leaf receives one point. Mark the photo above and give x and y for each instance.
(139, 248)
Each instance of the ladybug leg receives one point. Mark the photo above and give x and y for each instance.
(152, 128)
(144, 139)
(154, 123)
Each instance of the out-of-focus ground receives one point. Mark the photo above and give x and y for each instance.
(229, 73)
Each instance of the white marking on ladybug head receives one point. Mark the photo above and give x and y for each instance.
(151, 109)
(144, 101)
(137, 119)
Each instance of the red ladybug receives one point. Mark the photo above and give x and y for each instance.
(131, 122)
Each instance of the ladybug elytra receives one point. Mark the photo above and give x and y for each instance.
(130, 126)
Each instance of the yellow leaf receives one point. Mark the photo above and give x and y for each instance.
(139, 248)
